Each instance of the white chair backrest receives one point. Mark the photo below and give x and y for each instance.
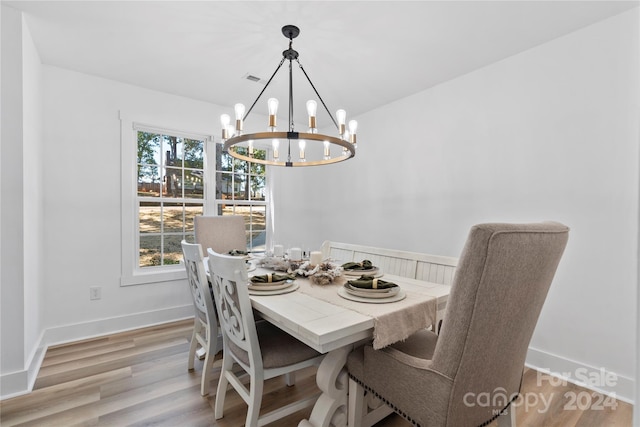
(229, 281)
(197, 280)
(220, 233)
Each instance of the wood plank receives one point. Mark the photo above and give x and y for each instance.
(69, 371)
(152, 386)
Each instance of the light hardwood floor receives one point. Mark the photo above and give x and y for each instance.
(140, 378)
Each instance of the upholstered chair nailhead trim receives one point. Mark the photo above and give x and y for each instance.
(408, 418)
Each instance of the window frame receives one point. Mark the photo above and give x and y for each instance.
(131, 272)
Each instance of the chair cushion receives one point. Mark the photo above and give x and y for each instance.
(420, 345)
(278, 348)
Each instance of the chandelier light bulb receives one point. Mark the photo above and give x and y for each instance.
(239, 109)
(275, 144)
(312, 107)
(341, 115)
(250, 143)
(327, 150)
(353, 126)
(224, 121)
(302, 144)
(272, 104)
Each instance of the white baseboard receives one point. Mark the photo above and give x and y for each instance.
(14, 384)
(21, 382)
(112, 325)
(597, 379)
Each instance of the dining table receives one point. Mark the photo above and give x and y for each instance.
(322, 317)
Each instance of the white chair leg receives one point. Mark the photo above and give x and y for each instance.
(255, 400)
(290, 378)
(508, 418)
(227, 366)
(206, 373)
(210, 351)
(356, 404)
(194, 345)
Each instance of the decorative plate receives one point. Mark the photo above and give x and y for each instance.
(371, 293)
(280, 284)
(289, 288)
(394, 298)
(375, 272)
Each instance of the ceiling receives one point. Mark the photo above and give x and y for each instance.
(359, 54)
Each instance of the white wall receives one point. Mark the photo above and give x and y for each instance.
(22, 208)
(82, 205)
(12, 339)
(550, 133)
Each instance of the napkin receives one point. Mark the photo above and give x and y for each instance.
(364, 265)
(238, 252)
(370, 282)
(270, 278)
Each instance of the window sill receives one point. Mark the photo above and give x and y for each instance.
(144, 278)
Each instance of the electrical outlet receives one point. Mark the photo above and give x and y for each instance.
(95, 292)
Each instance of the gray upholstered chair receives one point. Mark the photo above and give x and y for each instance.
(221, 233)
(500, 285)
(205, 326)
(262, 350)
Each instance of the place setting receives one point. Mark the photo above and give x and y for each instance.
(357, 269)
(371, 289)
(272, 284)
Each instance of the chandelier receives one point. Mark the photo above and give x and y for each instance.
(334, 149)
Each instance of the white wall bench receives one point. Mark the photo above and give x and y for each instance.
(432, 271)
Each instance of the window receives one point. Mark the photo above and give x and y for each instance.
(170, 176)
(241, 190)
(170, 192)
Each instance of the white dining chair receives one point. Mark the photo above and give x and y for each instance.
(262, 350)
(205, 326)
